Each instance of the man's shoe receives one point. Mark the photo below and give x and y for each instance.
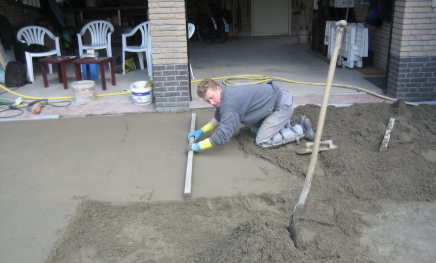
(298, 121)
(266, 145)
(309, 134)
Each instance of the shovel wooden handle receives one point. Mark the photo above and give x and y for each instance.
(304, 193)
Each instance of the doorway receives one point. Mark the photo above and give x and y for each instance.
(270, 17)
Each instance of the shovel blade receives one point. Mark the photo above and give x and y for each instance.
(293, 231)
(298, 209)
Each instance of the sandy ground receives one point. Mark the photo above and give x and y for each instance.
(364, 205)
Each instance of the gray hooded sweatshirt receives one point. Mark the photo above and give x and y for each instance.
(246, 104)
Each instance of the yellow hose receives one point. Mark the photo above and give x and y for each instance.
(59, 98)
(258, 79)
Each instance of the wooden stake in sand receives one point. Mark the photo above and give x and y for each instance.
(387, 137)
(188, 177)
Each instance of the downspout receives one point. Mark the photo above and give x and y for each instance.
(385, 90)
(187, 50)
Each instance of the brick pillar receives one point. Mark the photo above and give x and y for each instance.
(170, 54)
(412, 65)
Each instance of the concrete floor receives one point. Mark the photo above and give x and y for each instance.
(49, 166)
(271, 56)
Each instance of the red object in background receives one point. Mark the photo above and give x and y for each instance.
(114, 20)
(36, 109)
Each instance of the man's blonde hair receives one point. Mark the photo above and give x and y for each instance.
(204, 85)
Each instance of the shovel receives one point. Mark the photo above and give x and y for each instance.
(299, 207)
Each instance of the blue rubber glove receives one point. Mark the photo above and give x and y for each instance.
(194, 147)
(196, 134)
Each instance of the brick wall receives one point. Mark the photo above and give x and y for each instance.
(412, 68)
(169, 52)
(245, 18)
(20, 15)
(299, 18)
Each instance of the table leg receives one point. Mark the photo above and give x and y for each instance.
(59, 65)
(44, 74)
(64, 75)
(77, 71)
(88, 72)
(103, 78)
(112, 64)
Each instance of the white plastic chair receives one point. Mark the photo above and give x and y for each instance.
(143, 47)
(191, 30)
(100, 32)
(37, 35)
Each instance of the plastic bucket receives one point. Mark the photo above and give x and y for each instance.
(303, 36)
(93, 70)
(84, 91)
(140, 93)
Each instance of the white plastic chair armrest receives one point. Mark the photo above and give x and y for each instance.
(129, 34)
(123, 40)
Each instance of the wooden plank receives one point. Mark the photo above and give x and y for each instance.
(188, 176)
(387, 136)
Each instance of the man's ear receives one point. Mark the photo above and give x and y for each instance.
(219, 88)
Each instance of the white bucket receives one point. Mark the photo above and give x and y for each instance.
(140, 93)
(303, 36)
(84, 91)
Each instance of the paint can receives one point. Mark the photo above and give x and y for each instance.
(142, 92)
(84, 91)
(303, 36)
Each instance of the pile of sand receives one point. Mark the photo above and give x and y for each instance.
(351, 186)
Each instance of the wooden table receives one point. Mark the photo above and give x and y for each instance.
(61, 61)
(101, 61)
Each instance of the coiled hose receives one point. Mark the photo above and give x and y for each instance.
(259, 79)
